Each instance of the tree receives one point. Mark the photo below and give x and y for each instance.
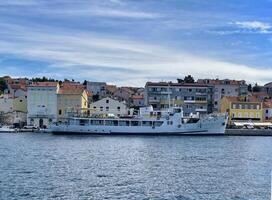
(249, 88)
(180, 80)
(189, 79)
(256, 88)
(85, 82)
(3, 85)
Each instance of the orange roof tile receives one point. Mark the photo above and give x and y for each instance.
(44, 84)
(137, 97)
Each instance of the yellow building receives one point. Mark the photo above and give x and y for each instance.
(20, 104)
(242, 109)
(72, 100)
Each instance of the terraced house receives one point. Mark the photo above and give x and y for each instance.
(72, 100)
(242, 109)
(194, 98)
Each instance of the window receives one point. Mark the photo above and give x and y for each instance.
(60, 112)
(266, 111)
(107, 101)
(246, 115)
(234, 106)
(101, 108)
(107, 108)
(240, 106)
(258, 107)
(118, 108)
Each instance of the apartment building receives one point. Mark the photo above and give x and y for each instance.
(194, 98)
(223, 88)
(242, 109)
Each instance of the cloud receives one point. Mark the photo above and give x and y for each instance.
(254, 25)
(115, 59)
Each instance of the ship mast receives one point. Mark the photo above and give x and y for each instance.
(169, 100)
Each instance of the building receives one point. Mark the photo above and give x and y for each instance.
(137, 100)
(267, 111)
(72, 100)
(109, 106)
(19, 104)
(267, 88)
(42, 103)
(194, 98)
(223, 88)
(6, 103)
(124, 94)
(242, 109)
(96, 88)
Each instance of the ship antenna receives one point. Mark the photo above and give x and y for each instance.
(169, 100)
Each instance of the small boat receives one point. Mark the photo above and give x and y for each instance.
(147, 122)
(7, 129)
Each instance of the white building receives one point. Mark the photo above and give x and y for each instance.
(42, 103)
(109, 106)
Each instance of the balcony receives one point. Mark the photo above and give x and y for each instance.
(189, 101)
(201, 109)
(154, 101)
(201, 93)
(41, 116)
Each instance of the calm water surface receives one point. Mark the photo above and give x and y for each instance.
(44, 166)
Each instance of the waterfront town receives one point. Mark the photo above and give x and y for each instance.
(40, 102)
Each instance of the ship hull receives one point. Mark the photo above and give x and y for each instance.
(203, 127)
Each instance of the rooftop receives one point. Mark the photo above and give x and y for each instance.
(44, 84)
(175, 84)
(71, 89)
(251, 99)
(221, 82)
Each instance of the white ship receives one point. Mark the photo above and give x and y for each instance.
(147, 122)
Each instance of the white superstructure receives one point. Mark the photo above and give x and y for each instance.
(167, 123)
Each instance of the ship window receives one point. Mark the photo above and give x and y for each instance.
(170, 123)
(111, 122)
(83, 122)
(147, 123)
(97, 122)
(123, 123)
(159, 123)
(135, 123)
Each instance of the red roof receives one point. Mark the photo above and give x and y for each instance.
(175, 84)
(44, 84)
(137, 97)
(267, 104)
(251, 99)
(71, 89)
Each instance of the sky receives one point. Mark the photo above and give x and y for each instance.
(130, 42)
